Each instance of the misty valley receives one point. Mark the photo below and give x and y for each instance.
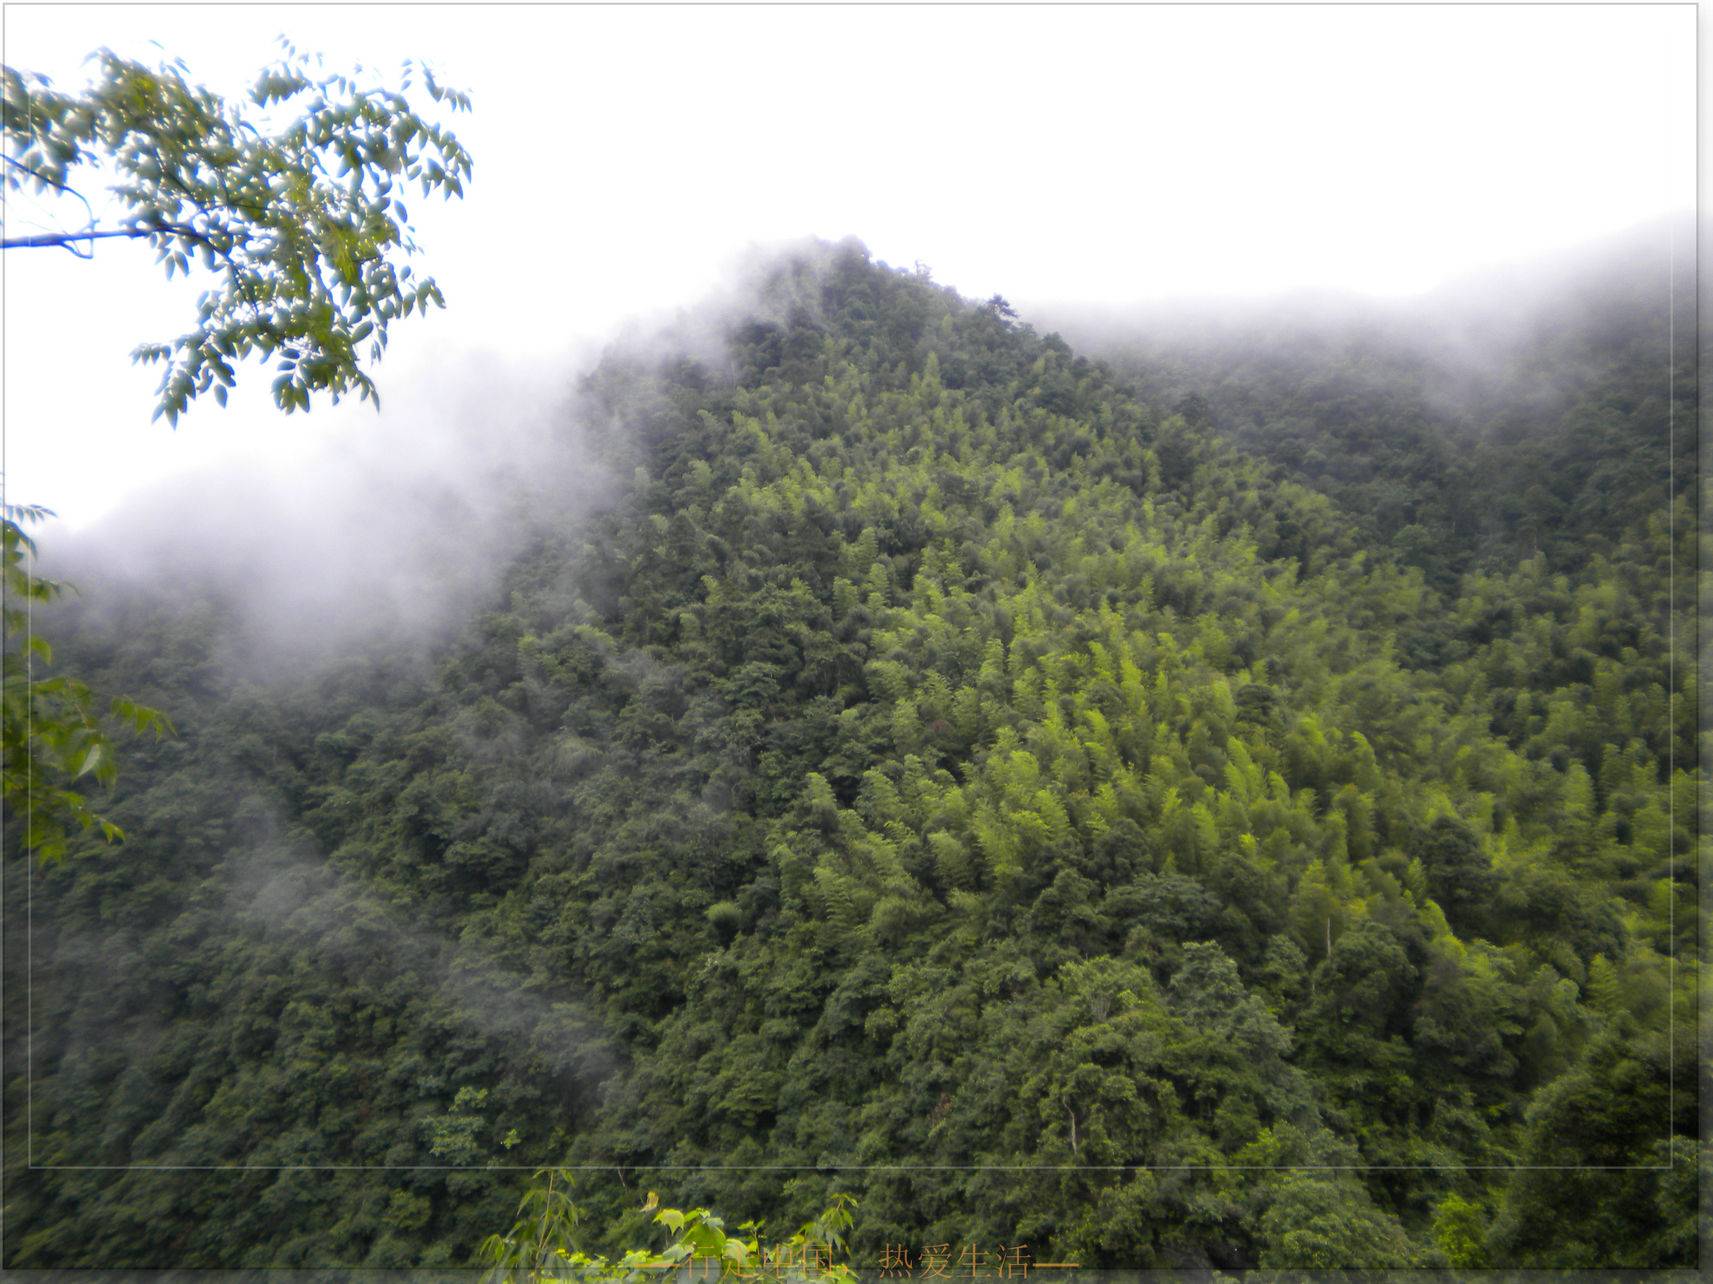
(1182, 789)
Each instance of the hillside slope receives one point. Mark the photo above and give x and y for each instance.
(941, 774)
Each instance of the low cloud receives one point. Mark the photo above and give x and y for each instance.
(394, 533)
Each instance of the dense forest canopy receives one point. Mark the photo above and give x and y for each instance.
(1506, 413)
(1229, 804)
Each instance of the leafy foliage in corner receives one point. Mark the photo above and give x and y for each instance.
(303, 227)
(542, 1246)
(54, 737)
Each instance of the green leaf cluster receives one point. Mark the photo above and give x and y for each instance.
(302, 224)
(541, 1244)
(54, 735)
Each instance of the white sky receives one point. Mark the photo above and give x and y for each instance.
(625, 154)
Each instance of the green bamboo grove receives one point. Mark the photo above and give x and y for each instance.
(1019, 792)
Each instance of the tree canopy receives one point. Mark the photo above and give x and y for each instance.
(302, 224)
(944, 774)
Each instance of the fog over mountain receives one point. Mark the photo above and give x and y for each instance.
(404, 522)
(400, 525)
(1644, 276)
(1101, 152)
(1174, 796)
(394, 531)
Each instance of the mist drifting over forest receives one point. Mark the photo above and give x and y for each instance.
(1208, 788)
(403, 522)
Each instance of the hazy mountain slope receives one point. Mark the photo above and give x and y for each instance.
(1549, 407)
(938, 774)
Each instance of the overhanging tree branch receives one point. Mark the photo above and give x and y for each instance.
(302, 227)
(56, 239)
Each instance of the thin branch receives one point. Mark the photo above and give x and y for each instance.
(56, 239)
(69, 191)
(44, 179)
(59, 239)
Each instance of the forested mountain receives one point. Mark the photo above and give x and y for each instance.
(1232, 806)
(1550, 408)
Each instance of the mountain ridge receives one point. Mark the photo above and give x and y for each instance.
(940, 774)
